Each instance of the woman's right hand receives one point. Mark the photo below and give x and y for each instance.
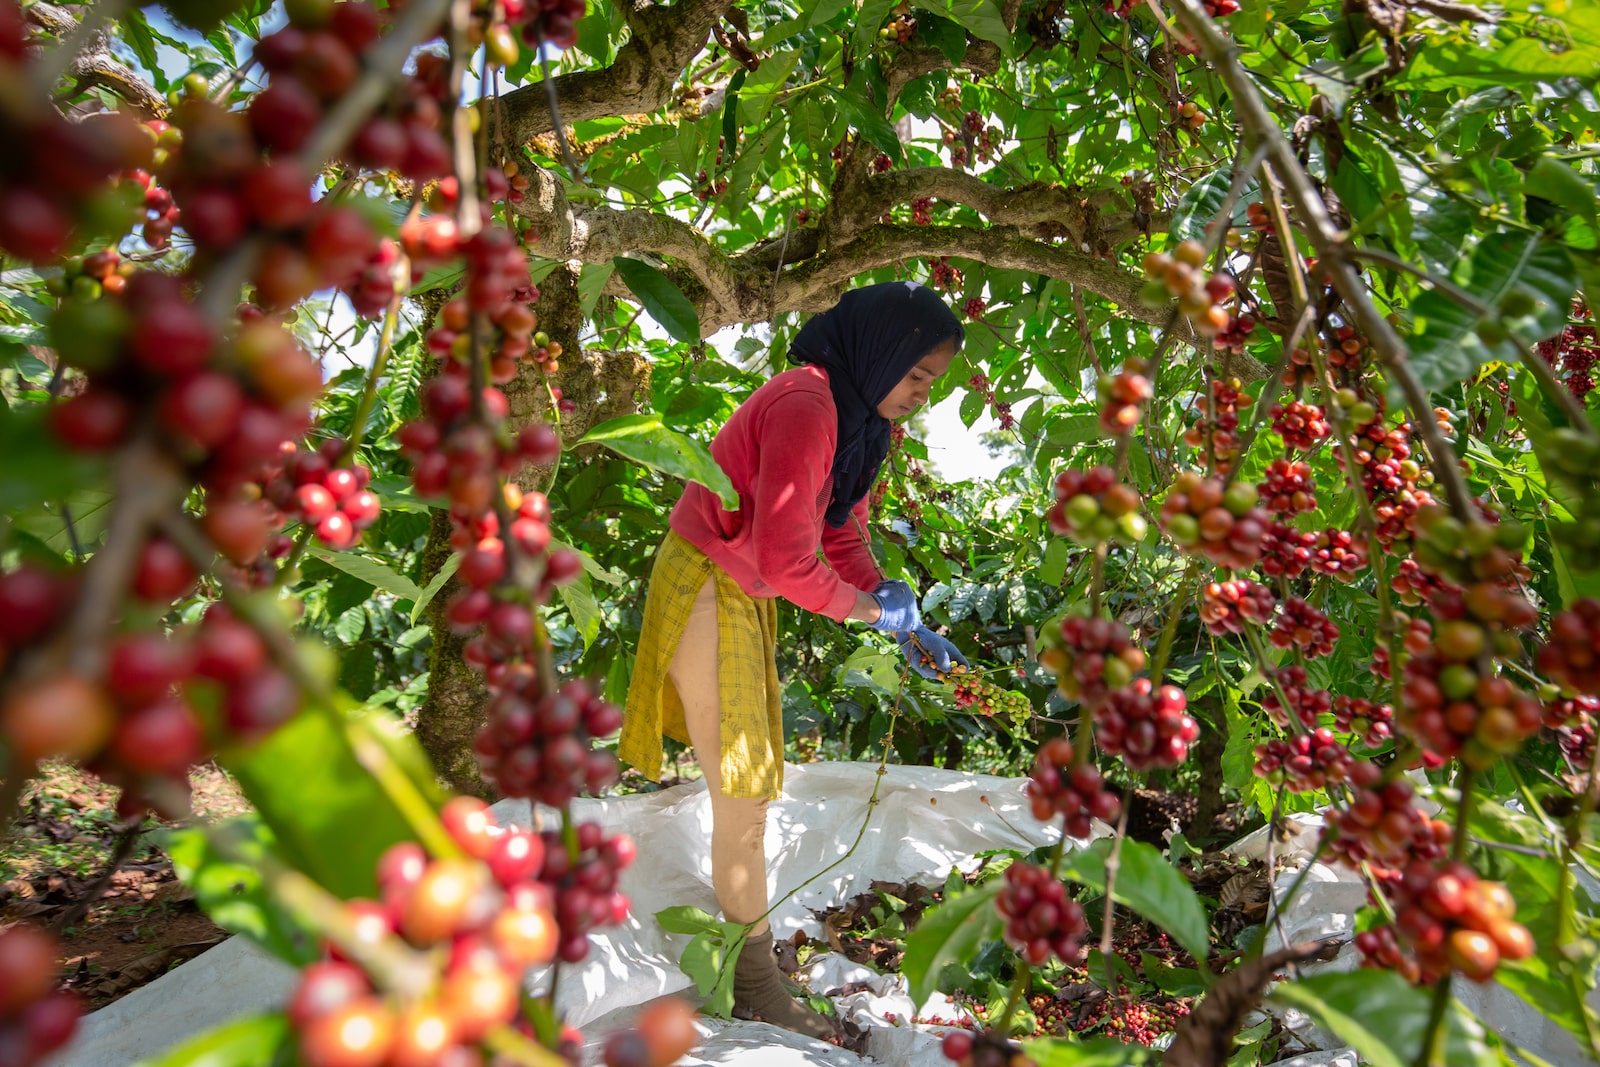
(897, 608)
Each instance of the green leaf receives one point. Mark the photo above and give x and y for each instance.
(869, 20)
(1559, 183)
(1149, 885)
(1199, 204)
(328, 814)
(1448, 347)
(709, 959)
(231, 892)
(370, 571)
(760, 90)
(945, 35)
(254, 1041)
(1054, 567)
(136, 32)
(1452, 63)
(867, 119)
(590, 565)
(949, 932)
(661, 298)
(578, 596)
(687, 920)
(1094, 1052)
(1177, 981)
(730, 108)
(643, 439)
(1384, 1018)
(431, 590)
(981, 18)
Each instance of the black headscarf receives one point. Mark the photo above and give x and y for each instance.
(867, 342)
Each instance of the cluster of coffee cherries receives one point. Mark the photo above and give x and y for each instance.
(1306, 704)
(1370, 722)
(1041, 920)
(1305, 762)
(1228, 607)
(334, 500)
(1451, 921)
(1304, 627)
(1288, 487)
(1452, 709)
(922, 215)
(541, 745)
(975, 307)
(484, 915)
(1122, 396)
(1002, 410)
(1259, 217)
(1391, 479)
(900, 27)
(1060, 786)
(68, 174)
(1416, 637)
(984, 1049)
(1225, 526)
(1093, 506)
(89, 276)
(1190, 115)
(1236, 334)
(1147, 727)
(944, 277)
(1382, 825)
(1571, 653)
(1216, 432)
(35, 1017)
(974, 140)
(514, 336)
(1287, 552)
(1182, 275)
(971, 691)
(1093, 657)
(1301, 424)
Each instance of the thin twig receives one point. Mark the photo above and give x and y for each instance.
(127, 836)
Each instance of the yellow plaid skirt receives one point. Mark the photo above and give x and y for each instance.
(747, 674)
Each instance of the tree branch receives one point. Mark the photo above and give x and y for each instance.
(639, 80)
(94, 66)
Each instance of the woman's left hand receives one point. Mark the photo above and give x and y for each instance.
(929, 654)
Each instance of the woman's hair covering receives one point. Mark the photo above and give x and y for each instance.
(867, 343)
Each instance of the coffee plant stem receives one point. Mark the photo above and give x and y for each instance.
(1169, 629)
(1019, 986)
(1222, 221)
(516, 1047)
(468, 219)
(1108, 924)
(1157, 358)
(1432, 1053)
(1330, 248)
(1084, 332)
(1269, 391)
(1298, 285)
(380, 363)
(289, 571)
(1278, 906)
(369, 752)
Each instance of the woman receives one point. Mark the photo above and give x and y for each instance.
(803, 452)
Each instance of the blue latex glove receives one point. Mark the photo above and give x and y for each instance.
(898, 605)
(935, 654)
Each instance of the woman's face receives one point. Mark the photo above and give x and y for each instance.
(912, 392)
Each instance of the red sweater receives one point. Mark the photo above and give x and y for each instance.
(777, 449)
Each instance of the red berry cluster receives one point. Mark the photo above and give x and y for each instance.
(1119, 8)
(334, 500)
(1288, 487)
(1058, 786)
(1371, 723)
(585, 884)
(486, 915)
(1571, 654)
(1304, 763)
(68, 169)
(1182, 275)
(1305, 628)
(1453, 710)
(513, 335)
(1451, 921)
(1382, 825)
(160, 213)
(1221, 9)
(971, 691)
(1002, 410)
(974, 140)
(542, 746)
(1573, 352)
(35, 1018)
(1041, 920)
(985, 1049)
(1259, 217)
(1146, 729)
(1389, 477)
(1416, 637)
(1094, 657)
(1285, 551)
(900, 28)
(1339, 554)
(1227, 607)
(1123, 395)
(944, 277)
(1301, 424)
(922, 215)
(975, 308)
(1216, 432)
(1308, 705)
(1236, 334)
(1224, 526)
(1190, 115)
(1093, 506)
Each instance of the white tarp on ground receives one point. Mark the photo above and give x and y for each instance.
(926, 821)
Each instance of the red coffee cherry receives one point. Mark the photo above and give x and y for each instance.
(1041, 920)
(1146, 729)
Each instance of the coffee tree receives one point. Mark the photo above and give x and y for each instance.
(354, 353)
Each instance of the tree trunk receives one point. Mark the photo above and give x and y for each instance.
(602, 385)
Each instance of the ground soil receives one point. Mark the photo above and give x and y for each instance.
(144, 921)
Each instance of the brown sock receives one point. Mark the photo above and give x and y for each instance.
(759, 993)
